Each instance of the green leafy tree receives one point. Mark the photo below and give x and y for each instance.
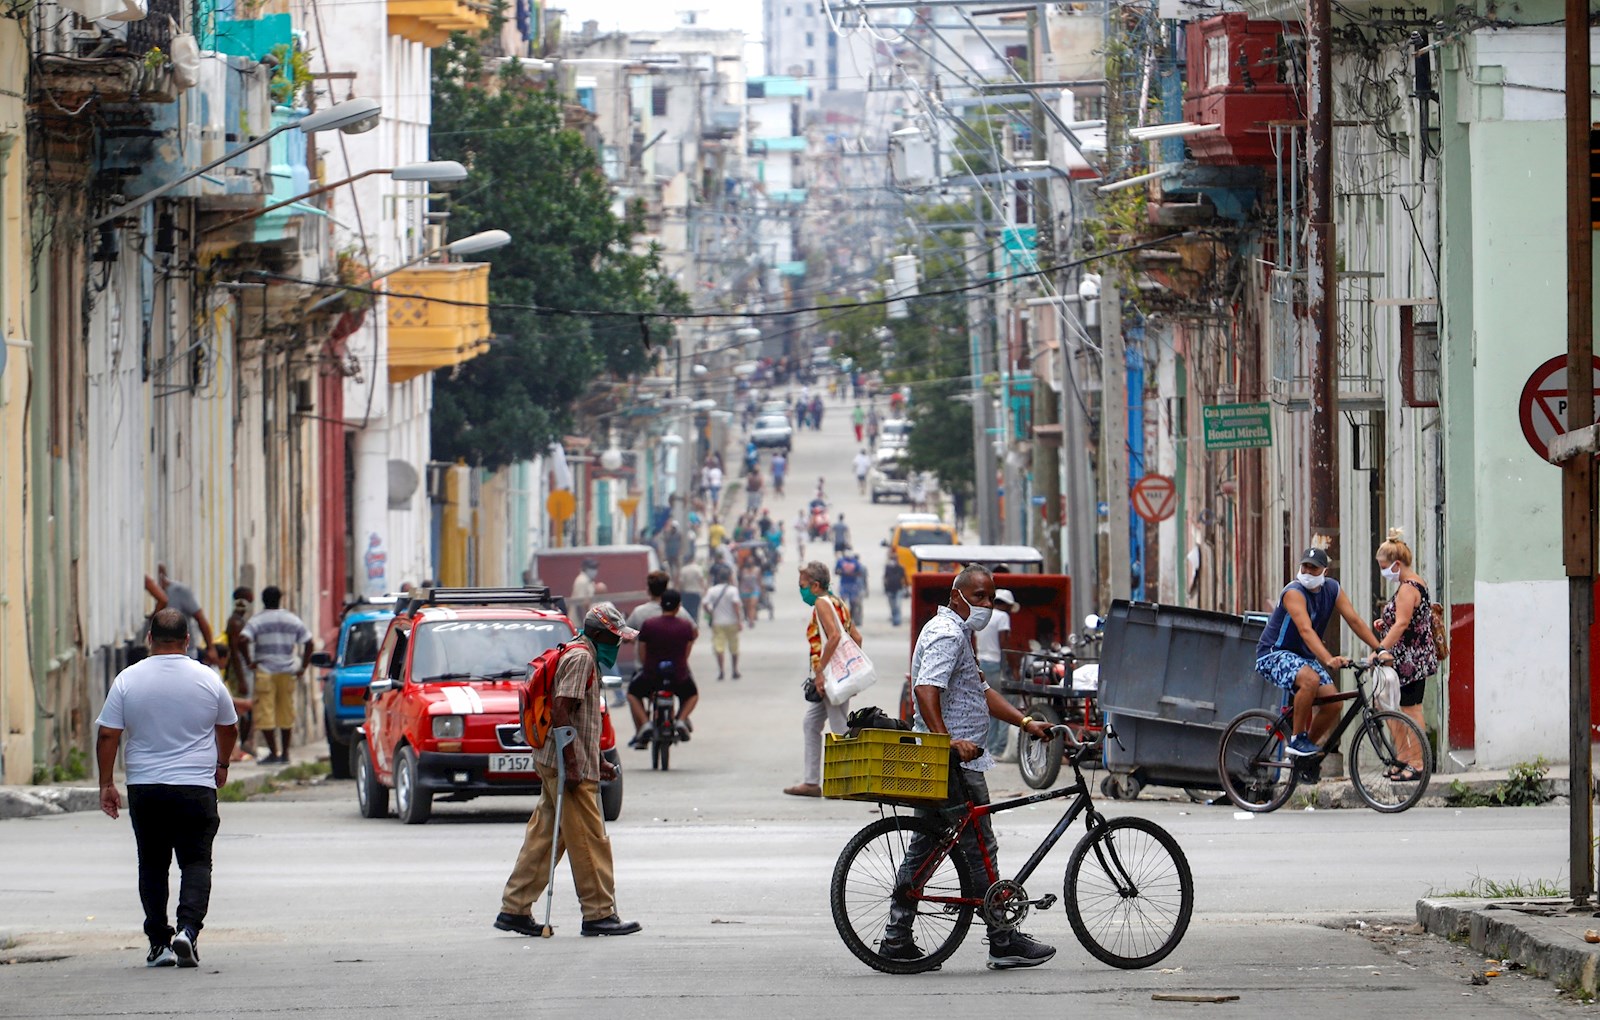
(535, 178)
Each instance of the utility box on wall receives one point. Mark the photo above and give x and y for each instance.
(1244, 75)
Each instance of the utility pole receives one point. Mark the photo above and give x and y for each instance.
(1081, 524)
(1577, 474)
(1322, 282)
(1114, 436)
(978, 323)
(1046, 456)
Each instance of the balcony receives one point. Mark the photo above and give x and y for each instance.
(430, 22)
(426, 335)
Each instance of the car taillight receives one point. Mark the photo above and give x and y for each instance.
(355, 694)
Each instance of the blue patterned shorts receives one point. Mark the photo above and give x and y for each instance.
(1280, 668)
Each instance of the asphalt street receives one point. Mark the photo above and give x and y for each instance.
(317, 912)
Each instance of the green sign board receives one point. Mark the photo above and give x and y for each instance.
(1237, 426)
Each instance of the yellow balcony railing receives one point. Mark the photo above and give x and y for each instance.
(424, 334)
(430, 22)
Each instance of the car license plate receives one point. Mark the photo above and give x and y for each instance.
(511, 763)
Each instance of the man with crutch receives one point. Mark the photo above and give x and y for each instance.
(576, 815)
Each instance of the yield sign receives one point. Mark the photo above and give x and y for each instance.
(1542, 409)
(1155, 498)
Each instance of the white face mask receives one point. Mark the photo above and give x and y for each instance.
(977, 616)
(1311, 582)
(1391, 573)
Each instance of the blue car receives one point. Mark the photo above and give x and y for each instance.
(349, 671)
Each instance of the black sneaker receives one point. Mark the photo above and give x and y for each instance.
(1017, 950)
(185, 946)
(160, 956)
(904, 950)
(683, 728)
(522, 924)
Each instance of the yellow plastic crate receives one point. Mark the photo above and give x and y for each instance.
(887, 766)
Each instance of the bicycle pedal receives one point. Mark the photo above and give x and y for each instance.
(1044, 902)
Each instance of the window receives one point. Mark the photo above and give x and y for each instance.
(811, 10)
(1419, 356)
(811, 69)
(658, 101)
(811, 40)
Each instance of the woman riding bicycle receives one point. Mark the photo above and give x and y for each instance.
(1291, 654)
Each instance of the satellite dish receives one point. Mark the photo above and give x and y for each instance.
(402, 484)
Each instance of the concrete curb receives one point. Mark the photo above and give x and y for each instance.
(1547, 941)
(36, 801)
(1338, 793)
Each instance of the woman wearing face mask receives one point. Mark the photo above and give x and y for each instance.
(829, 619)
(1291, 654)
(1407, 629)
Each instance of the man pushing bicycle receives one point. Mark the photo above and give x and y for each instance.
(952, 697)
(1291, 654)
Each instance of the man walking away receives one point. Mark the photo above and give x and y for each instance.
(894, 585)
(692, 583)
(180, 726)
(582, 827)
(862, 465)
(269, 642)
(780, 464)
(952, 697)
(841, 536)
(858, 418)
(722, 608)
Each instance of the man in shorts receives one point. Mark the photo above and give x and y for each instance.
(722, 606)
(269, 643)
(665, 642)
(1291, 654)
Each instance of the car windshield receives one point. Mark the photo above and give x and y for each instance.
(773, 422)
(482, 649)
(924, 536)
(361, 643)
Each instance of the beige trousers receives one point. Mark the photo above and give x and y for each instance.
(583, 839)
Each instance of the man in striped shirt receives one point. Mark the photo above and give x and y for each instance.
(269, 643)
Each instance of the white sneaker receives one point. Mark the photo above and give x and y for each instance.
(160, 956)
(185, 949)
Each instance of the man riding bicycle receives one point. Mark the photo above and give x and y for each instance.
(1291, 654)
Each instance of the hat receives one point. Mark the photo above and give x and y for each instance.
(605, 616)
(590, 563)
(1315, 557)
(671, 599)
(1004, 595)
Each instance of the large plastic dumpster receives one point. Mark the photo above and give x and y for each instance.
(1171, 680)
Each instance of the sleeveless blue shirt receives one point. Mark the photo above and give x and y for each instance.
(1281, 635)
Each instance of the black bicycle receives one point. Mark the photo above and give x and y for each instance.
(1128, 890)
(1259, 774)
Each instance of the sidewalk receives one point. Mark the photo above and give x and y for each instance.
(84, 795)
(1544, 937)
(1338, 793)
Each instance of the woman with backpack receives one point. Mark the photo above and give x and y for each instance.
(1409, 632)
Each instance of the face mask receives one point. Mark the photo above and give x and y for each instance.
(606, 655)
(590, 572)
(808, 596)
(1391, 573)
(977, 616)
(1311, 582)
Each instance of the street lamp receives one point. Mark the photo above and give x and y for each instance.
(350, 114)
(472, 244)
(439, 171)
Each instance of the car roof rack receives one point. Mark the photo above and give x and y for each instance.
(532, 596)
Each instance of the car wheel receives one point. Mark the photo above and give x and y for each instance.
(412, 803)
(338, 755)
(371, 796)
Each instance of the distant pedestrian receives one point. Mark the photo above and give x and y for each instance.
(841, 536)
(713, 487)
(958, 508)
(239, 680)
(830, 620)
(872, 427)
(671, 550)
(780, 467)
(894, 585)
(580, 831)
(750, 590)
(168, 591)
(802, 412)
(180, 726)
(692, 584)
(725, 614)
(752, 490)
(816, 413)
(655, 586)
(852, 576)
(858, 419)
(918, 492)
(584, 586)
(991, 643)
(270, 641)
(862, 464)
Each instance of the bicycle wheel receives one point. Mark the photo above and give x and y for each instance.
(1377, 750)
(1256, 771)
(866, 885)
(1129, 901)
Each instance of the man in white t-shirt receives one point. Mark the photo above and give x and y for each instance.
(180, 725)
(862, 465)
(992, 660)
(277, 647)
(722, 604)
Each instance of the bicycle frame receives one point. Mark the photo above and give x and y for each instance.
(1361, 708)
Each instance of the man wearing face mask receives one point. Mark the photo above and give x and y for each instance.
(1291, 654)
(952, 697)
(576, 703)
(583, 589)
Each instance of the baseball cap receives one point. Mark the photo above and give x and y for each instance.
(589, 562)
(605, 616)
(671, 599)
(1315, 557)
(1004, 595)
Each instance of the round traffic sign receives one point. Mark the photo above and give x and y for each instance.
(1155, 498)
(1542, 408)
(560, 504)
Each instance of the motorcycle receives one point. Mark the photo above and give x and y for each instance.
(663, 720)
(819, 526)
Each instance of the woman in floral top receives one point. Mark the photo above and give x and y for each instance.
(1406, 629)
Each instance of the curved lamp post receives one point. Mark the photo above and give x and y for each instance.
(472, 244)
(439, 171)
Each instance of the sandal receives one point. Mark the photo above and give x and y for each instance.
(1402, 774)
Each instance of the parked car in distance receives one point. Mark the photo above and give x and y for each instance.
(349, 671)
(772, 432)
(889, 477)
(442, 717)
(780, 408)
(895, 432)
(906, 534)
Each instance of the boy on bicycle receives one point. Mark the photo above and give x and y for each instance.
(1291, 654)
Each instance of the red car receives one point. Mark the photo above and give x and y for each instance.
(441, 715)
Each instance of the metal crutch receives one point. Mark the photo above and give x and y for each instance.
(563, 736)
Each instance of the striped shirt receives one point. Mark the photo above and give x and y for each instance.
(275, 637)
(814, 635)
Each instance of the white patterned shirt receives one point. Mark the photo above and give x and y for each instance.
(944, 658)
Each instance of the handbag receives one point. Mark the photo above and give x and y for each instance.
(848, 672)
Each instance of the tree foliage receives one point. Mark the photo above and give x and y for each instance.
(537, 179)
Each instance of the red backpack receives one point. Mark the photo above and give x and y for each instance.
(536, 695)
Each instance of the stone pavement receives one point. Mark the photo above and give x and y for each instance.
(1543, 936)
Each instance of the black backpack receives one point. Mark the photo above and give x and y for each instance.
(873, 718)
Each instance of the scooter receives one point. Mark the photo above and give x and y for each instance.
(819, 526)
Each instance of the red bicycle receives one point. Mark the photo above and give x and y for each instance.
(1128, 890)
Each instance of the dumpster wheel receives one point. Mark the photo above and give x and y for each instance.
(1121, 787)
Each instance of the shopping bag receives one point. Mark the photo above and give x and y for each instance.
(1386, 689)
(848, 672)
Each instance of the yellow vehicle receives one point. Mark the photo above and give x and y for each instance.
(917, 529)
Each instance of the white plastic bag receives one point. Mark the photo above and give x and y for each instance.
(1386, 689)
(848, 672)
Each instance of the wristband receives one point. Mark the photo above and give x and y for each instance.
(222, 764)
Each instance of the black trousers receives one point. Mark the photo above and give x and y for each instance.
(168, 821)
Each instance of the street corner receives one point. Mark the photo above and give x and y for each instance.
(1543, 937)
